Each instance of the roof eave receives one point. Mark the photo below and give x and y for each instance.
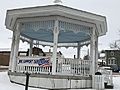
(13, 15)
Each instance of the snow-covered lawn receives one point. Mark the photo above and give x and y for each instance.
(5, 84)
(116, 81)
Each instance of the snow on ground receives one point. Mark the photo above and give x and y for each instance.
(5, 84)
(116, 81)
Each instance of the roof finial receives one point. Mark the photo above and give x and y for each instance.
(57, 1)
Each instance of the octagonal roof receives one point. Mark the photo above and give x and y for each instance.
(37, 23)
(98, 20)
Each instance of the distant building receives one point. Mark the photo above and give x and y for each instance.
(101, 59)
(5, 55)
(112, 57)
(4, 58)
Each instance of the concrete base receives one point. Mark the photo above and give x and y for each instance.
(52, 81)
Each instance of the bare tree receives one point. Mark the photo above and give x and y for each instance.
(115, 44)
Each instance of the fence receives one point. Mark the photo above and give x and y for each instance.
(107, 74)
(64, 66)
(33, 69)
(74, 66)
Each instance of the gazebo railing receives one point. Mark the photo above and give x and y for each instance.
(33, 69)
(33, 65)
(64, 66)
(74, 67)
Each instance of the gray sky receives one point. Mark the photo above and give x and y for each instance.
(108, 8)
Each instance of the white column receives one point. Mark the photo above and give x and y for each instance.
(78, 50)
(31, 46)
(93, 56)
(55, 41)
(96, 53)
(14, 48)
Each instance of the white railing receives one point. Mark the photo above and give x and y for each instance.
(107, 74)
(74, 67)
(64, 66)
(33, 69)
(33, 65)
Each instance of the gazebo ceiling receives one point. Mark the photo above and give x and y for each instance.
(43, 31)
(64, 37)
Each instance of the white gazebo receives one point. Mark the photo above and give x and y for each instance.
(56, 26)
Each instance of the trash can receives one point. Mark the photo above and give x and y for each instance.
(99, 81)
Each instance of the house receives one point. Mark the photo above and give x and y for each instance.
(112, 57)
(5, 57)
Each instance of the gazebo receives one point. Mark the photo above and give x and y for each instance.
(56, 26)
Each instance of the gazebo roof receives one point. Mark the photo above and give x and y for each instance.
(38, 23)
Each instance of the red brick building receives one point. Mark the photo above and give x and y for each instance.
(5, 57)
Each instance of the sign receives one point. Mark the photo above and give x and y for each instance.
(43, 62)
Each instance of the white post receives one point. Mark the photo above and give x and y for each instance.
(31, 46)
(93, 57)
(96, 53)
(15, 48)
(55, 32)
(12, 49)
(78, 50)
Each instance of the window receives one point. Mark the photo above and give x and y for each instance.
(112, 53)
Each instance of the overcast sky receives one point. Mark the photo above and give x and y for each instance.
(108, 8)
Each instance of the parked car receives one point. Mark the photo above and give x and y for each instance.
(114, 68)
